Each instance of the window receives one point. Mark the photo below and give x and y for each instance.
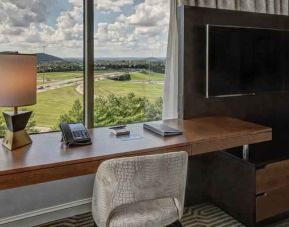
(130, 39)
(130, 50)
(53, 29)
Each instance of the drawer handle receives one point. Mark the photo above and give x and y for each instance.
(262, 194)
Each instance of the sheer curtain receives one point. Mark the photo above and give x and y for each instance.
(170, 107)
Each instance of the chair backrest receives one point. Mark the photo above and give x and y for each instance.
(134, 179)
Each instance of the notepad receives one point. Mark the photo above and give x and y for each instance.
(162, 129)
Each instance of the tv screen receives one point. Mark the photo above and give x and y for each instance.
(246, 60)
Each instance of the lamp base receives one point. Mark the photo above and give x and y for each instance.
(16, 136)
(14, 140)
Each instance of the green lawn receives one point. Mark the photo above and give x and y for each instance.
(149, 90)
(147, 76)
(51, 104)
(60, 75)
(139, 84)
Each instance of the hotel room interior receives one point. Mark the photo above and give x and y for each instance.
(144, 113)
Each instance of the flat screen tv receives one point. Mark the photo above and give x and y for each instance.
(242, 61)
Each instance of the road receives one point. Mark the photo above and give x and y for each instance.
(77, 81)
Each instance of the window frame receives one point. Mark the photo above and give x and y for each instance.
(88, 62)
(88, 65)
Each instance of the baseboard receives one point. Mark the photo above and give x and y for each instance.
(48, 214)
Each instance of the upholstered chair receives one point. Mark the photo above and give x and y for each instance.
(142, 191)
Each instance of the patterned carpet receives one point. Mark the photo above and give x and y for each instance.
(202, 215)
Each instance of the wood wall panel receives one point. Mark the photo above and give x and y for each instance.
(270, 109)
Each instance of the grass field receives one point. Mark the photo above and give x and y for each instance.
(145, 76)
(51, 104)
(139, 84)
(106, 87)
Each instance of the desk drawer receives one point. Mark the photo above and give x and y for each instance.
(272, 203)
(272, 176)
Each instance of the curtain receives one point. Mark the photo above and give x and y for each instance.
(260, 6)
(170, 104)
(170, 107)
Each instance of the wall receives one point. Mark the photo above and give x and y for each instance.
(41, 203)
(265, 108)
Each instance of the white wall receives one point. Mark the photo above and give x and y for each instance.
(45, 202)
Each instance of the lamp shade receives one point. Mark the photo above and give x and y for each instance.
(17, 79)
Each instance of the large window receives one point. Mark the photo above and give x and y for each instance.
(130, 50)
(130, 40)
(53, 29)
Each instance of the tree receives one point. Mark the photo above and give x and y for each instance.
(113, 110)
(154, 110)
(2, 126)
(73, 115)
(31, 125)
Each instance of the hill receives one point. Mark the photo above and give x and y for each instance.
(44, 58)
(131, 59)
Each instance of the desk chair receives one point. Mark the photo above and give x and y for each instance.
(140, 191)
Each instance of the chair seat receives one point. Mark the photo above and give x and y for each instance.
(151, 213)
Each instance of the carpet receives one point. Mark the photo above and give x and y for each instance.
(202, 215)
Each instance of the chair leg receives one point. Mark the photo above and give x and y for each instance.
(176, 224)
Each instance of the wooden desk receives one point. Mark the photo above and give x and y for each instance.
(47, 159)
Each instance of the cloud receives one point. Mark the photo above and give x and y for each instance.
(132, 30)
(78, 3)
(69, 25)
(149, 13)
(111, 5)
(143, 32)
(25, 25)
(106, 5)
(21, 13)
(116, 32)
(6, 29)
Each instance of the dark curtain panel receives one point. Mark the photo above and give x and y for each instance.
(261, 6)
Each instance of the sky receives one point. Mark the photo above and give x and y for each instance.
(123, 28)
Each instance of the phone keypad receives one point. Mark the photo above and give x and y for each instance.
(80, 134)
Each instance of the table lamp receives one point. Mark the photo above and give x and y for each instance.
(17, 88)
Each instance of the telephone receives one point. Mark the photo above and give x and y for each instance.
(75, 134)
